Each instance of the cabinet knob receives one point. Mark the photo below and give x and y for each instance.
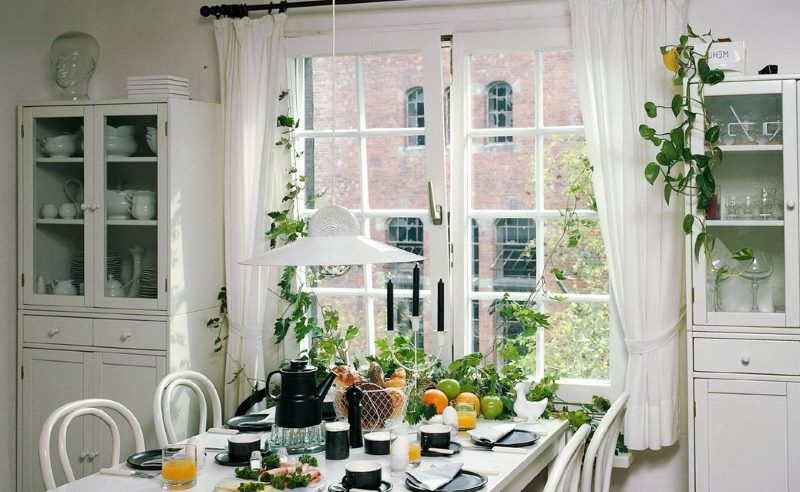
(93, 455)
(83, 456)
(790, 204)
(53, 332)
(84, 207)
(93, 207)
(745, 359)
(125, 336)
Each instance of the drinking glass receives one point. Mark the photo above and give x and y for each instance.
(766, 202)
(749, 208)
(179, 468)
(467, 416)
(732, 207)
(728, 133)
(760, 268)
(411, 435)
(715, 281)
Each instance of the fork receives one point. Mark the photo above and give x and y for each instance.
(126, 473)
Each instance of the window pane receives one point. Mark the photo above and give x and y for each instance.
(576, 344)
(487, 329)
(387, 80)
(585, 265)
(506, 250)
(516, 71)
(503, 174)
(340, 183)
(407, 233)
(561, 105)
(563, 161)
(397, 174)
(318, 80)
(402, 322)
(351, 312)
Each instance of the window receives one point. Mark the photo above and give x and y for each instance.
(499, 103)
(504, 202)
(415, 114)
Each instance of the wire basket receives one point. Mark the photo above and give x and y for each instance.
(380, 407)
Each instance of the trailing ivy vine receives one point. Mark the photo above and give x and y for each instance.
(681, 171)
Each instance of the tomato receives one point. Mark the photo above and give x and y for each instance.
(491, 406)
(449, 387)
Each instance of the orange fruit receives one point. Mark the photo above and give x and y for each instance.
(436, 398)
(472, 398)
(671, 60)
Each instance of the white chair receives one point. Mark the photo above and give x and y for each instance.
(599, 458)
(565, 472)
(165, 431)
(90, 406)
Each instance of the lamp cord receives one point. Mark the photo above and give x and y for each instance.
(333, 101)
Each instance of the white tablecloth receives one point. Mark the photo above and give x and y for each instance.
(514, 470)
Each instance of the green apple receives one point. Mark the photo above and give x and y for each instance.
(491, 407)
(449, 387)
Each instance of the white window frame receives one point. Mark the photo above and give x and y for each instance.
(464, 45)
(360, 43)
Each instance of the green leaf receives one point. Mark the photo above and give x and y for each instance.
(558, 273)
(689, 30)
(698, 244)
(646, 132)
(676, 135)
(743, 254)
(703, 69)
(715, 77)
(712, 134)
(688, 221)
(669, 150)
(651, 172)
(677, 104)
(651, 109)
(667, 192)
(702, 160)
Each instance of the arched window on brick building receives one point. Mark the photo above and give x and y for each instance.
(404, 233)
(415, 115)
(499, 103)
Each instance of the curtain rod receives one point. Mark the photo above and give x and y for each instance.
(242, 10)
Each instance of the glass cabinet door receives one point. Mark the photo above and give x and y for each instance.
(754, 207)
(56, 261)
(130, 177)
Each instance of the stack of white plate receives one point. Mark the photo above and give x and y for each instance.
(149, 86)
(148, 287)
(76, 267)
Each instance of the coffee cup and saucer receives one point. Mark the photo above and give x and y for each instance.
(362, 476)
(240, 448)
(435, 440)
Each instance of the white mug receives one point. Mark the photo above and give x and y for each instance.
(143, 205)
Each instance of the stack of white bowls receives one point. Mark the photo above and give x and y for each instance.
(152, 139)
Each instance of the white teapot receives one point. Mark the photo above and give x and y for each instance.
(114, 288)
(64, 288)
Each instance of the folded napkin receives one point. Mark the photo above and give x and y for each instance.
(433, 478)
(492, 434)
(213, 440)
(268, 419)
(116, 471)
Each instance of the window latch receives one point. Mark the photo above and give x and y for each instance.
(434, 210)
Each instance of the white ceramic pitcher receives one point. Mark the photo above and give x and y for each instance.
(143, 205)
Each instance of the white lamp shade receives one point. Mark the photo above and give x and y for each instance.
(333, 239)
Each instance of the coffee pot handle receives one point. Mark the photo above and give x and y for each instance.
(269, 393)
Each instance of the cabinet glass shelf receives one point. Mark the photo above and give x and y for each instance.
(755, 149)
(744, 223)
(115, 158)
(49, 160)
(131, 223)
(60, 221)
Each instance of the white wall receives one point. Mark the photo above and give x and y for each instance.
(158, 37)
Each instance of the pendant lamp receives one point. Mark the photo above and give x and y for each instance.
(334, 240)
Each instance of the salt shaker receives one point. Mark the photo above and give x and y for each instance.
(353, 395)
(255, 460)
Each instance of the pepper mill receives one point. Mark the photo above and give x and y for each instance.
(353, 395)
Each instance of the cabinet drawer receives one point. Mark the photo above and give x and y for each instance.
(747, 356)
(151, 335)
(55, 329)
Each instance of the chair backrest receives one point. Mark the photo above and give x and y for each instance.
(162, 413)
(69, 411)
(565, 473)
(599, 458)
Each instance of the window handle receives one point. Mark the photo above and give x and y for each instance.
(434, 210)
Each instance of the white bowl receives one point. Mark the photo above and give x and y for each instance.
(60, 146)
(120, 131)
(152, 142)
(120, 146)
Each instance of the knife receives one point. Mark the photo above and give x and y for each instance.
(498, 449)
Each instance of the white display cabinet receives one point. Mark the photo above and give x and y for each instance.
(744, 331)
(120, 260)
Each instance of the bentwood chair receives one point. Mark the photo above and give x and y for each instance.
(565, 473)
(599, 458)
(67, 413)
(162, 408)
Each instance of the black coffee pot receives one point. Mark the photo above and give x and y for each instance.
(299, 403)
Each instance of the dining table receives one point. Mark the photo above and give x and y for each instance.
(506, 471)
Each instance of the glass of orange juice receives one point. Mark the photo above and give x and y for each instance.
(179, 468)
(414, 446)
(467, 416)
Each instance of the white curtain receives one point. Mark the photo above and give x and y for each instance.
(252, 64)
(618, 66)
